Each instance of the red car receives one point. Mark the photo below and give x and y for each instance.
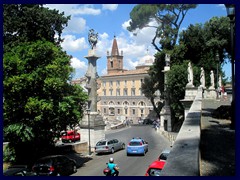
(70, 136)
(155, 168)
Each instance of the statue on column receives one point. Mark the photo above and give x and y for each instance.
(92, 38)
(202, 78)
(190, 75)
(212, 80)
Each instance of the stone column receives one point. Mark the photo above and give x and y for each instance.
(92, 122)
(165, 120)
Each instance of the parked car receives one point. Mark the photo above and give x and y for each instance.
(55, 165)
(147, 121)
(164, 154)
(70, 136)
(109, 146)
(137, 146)
(155, 168)
(18, 170)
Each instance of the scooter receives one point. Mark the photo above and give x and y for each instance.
(107, 171)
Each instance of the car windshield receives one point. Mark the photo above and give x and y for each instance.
(101, 143)
(154, 172)
(135, 143)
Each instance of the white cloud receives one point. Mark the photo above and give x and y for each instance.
(86, 9)
(75, 25)
(78, 64)
(72, 44)
(126, 24)
(111, 7)
(75, 9)
(130, 64)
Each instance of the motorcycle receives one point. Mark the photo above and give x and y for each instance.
(107, 171)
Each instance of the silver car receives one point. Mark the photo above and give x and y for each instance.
(109, 146)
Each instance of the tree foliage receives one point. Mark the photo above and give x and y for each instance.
(39, 100)
(168, 17)
(203, 42)
(31, 22)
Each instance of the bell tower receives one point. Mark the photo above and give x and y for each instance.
(114, 60)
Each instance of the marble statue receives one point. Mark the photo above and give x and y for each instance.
(212, 80)
(190, 75)
(202, 78)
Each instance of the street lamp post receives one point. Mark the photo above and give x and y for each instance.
(231, 14)
(217, 58)
(89, 142)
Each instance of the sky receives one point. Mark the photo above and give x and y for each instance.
(110, 20)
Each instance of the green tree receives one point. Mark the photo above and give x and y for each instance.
(31, 22)
(203, 43)
(39, 100)
(168, 17)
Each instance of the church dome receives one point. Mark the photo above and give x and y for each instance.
(146, 60)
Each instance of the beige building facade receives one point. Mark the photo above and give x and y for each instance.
(120, 90)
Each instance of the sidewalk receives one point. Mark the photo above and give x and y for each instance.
(217, 142)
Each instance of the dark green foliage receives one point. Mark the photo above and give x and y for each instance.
(31, 22)
(39, 100)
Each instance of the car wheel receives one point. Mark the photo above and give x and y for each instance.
(58, 174)
(112, 150)
(123, 146)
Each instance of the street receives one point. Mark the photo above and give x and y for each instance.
(129, 165)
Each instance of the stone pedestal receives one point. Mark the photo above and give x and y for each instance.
(210, 93)
(165, 119)
(95, 126)
(190, 94)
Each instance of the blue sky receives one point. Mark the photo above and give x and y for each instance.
(112, 19)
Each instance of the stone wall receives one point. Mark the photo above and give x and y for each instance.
(184, 158)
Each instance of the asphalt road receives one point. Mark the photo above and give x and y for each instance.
(129, 165)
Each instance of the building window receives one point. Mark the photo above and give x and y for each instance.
(125, 92)
(110, 83)
(118, 83)
(104, 92)
(111, 64)
(118, 92)
(104, 84)
(111, 111)
(133, 83)
(125, 83)
(133, 92)
(111, 92)
(126, 111)
(105, 111)
(118, 111)
(133, 112)
(134, 103)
